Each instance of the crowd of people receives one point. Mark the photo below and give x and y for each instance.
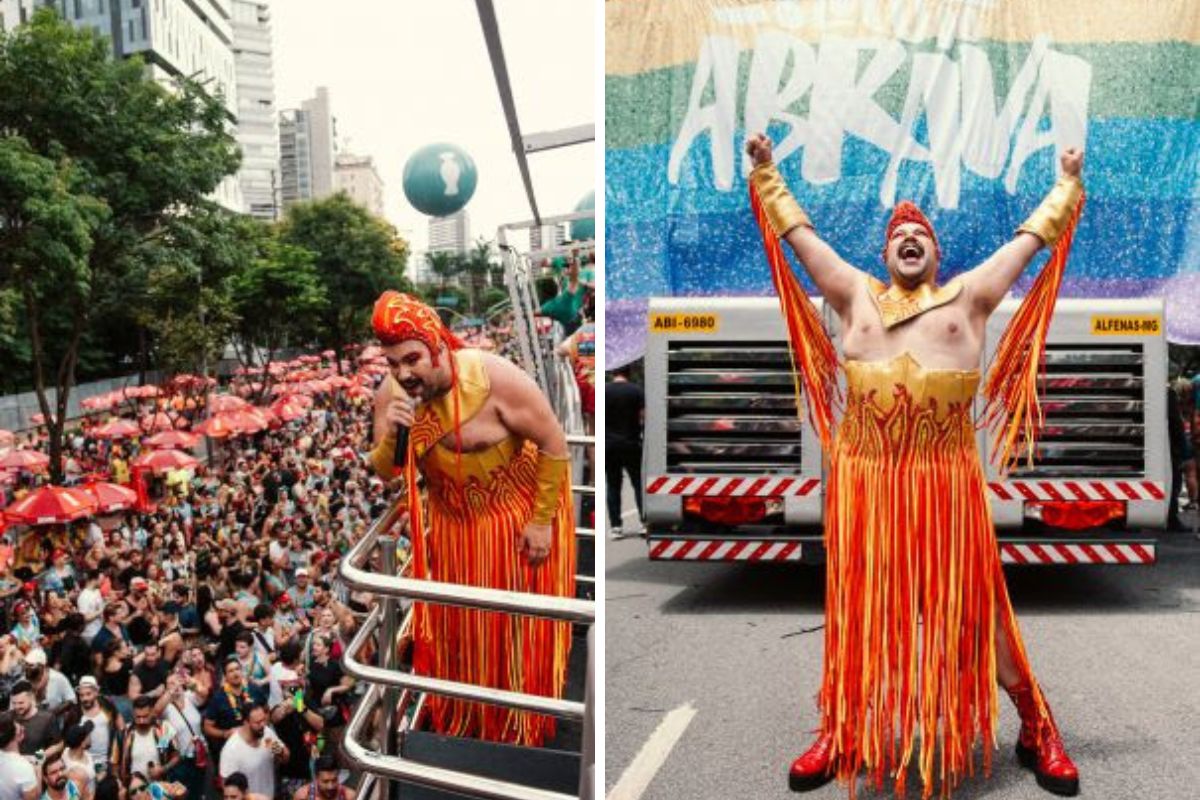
(197, 646)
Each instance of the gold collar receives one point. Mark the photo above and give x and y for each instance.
(897, 304)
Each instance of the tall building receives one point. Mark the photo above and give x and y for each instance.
(175, 38)
(547, 236)
(306, 150)
(295, 162)
(258, 130)
(358, 178)
(450, 234)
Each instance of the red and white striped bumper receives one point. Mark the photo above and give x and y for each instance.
(800, 486)
(1078, 553)
(1010, 553)
(726, 486)
(1077, 490)
(723, 550)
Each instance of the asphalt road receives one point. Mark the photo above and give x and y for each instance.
(1117, 650)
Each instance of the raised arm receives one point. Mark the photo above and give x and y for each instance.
(990, 281)
(836, 279)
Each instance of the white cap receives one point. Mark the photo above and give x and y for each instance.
(36, 657)
(89, 682)
(302, 571)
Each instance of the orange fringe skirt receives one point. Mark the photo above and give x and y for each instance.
(914, 594)
(472, 538)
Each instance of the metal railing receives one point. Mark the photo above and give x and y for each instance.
(386, 681)
(564, 609)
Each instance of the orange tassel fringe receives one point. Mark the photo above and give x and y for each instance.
(915, 594)
(1013, 408)
(469, 535)
(814, 359)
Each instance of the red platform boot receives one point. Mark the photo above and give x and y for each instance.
(815, 767)
(1054, 769)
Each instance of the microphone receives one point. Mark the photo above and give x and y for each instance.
(400, 458)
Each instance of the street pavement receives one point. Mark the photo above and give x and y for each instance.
(1117, 650)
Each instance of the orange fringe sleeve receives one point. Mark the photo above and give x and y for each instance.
(1013, 408)
(814, 359)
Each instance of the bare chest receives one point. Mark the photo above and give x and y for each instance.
(480, 432)
(945, 337)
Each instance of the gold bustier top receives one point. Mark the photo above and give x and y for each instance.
(498, 478)
(898, 406)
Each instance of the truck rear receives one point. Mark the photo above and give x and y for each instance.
(733, 473)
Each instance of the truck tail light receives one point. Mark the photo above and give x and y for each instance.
(1076, 515)
(732, 510)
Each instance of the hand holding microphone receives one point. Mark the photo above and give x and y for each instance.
(400, 413)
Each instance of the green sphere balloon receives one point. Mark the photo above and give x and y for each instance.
(439, 179)
(584, 228)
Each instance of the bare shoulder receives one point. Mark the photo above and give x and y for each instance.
(504, 376)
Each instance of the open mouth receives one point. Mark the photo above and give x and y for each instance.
(411, 387)
(911, 250)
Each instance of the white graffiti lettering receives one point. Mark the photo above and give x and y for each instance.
(1046, 106)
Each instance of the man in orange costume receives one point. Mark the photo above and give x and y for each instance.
(497, 513)
(908, 528)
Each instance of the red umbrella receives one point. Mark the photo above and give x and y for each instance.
(218, 426)
(51, 505)
(158, 421)
(287, 410)
(117, 429)
(172, 439)
(219, 403)
(272, 419)
(29, 460)
(164, 460)
(250, 420)
(302, 400)
(111, 497)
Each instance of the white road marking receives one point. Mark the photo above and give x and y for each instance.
(637, 776)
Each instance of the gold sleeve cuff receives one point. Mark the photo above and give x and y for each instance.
(782, 210)
(383, 457)
(1051, 217)
(553, 473)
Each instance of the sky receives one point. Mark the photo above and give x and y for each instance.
(403, 74)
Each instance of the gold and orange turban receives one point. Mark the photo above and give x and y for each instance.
(400, 317)
(908, 212)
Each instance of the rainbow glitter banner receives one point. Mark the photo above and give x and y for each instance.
(959, 105)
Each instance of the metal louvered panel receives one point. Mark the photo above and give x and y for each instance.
(731, 408)
(1094, 406)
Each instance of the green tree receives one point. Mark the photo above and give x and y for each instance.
(45, 238)
(356, 258)
(478, 265)
(278, 298)
(445, 266)
(140, 149)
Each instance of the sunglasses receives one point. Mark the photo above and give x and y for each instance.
(141, 787)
